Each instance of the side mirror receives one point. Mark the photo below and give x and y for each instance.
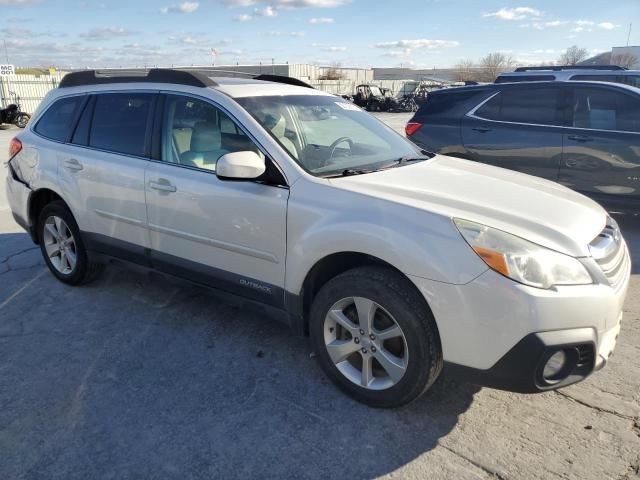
(240, 166)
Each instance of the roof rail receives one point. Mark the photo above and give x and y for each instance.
(190, 77)
(154, 75)
(559, 68)
(266, 77)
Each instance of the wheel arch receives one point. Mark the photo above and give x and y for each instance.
(38, 199)
(329, 267)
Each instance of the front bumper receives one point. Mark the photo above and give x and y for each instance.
(521, 369)
(499, 333)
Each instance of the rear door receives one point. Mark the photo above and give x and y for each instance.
(518, 128)
(601, 155)
(103, 171)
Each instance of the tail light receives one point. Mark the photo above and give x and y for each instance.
(412, 127)
(15, 146)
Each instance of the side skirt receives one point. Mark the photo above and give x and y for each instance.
(255, 291)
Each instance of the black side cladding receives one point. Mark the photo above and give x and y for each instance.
(154, 75)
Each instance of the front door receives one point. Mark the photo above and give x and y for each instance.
(519, 129)
(601, 155)
(226, 234)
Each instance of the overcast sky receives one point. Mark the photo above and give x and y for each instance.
(420, 33)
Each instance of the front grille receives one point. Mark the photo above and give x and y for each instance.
(610, 252)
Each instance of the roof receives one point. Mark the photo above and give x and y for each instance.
(506, 85)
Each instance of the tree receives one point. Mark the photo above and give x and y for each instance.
(493, 64)
(573, 55)
(627, 59)
(465, 70)
(332, 73)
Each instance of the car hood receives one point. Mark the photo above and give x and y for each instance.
(535, 209)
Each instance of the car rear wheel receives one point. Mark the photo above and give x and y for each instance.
(62, 247)
(374, 337)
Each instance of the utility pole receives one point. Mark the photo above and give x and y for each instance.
(628, 35)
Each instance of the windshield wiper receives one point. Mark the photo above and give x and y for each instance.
(349, 172)
(395, 163)
(398, 162)
(410, 158)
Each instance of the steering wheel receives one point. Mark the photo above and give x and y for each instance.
(335, 144)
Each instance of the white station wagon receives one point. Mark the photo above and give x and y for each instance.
(395, 261)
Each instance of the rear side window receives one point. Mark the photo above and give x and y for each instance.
(58, 121)
(633, 80)
(539, 106)
(441, 102)
(120, 122)
(605, 109)
(524, 78)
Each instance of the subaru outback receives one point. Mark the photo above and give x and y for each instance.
(394, 261)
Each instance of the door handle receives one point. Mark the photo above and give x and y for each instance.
(162, 185)
(73, 164)
(579, 138)
(481, 129)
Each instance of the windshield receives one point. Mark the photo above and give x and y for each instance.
(375, 91)
(327, 135)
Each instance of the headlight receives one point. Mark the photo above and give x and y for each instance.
(520, 260)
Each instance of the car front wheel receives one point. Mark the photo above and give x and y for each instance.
(375, 337)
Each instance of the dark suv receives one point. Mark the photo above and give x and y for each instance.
(585, 135)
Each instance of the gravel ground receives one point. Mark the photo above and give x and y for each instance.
(142, 376)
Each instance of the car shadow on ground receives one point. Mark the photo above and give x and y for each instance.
(141, 375)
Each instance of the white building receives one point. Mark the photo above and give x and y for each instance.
(632, 52)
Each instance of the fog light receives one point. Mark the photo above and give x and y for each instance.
(554, 365)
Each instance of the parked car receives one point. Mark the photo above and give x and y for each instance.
(600, 73)
(393, 260)
(585, 135)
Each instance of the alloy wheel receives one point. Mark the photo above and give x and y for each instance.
(365, 343)
(60, 245)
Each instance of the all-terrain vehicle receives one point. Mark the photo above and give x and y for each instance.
(374, 99)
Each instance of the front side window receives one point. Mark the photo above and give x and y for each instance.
(533, 106)
(120, 122)
(196, 133)
(327, 135)
(57, 122)
(604, 109)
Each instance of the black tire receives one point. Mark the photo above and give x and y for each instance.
(392, 291)
(22, 120)
(84, 270)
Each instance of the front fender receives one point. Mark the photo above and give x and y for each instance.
(323, 220)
